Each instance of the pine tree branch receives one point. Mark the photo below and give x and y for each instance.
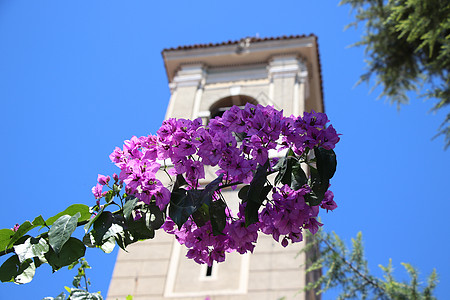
(355, 270)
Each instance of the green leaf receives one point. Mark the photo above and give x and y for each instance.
(326, 162)
(72, 250)
(14, 271)
(218, 216)
(243, 192)
(254, 200)
(61, 296)
(114, 230)
(201, 215)
(62, 230)
(123, 240)
(21, 231)
(141, 229)
(88, 240)
(40, 260)
(78, 294)
(285, 170)
(71, 211)
(318, 186)
(24, 228)
(257, 183)
(26, 272)
(31, 248)
(129, 297)
(290, 171)
(312, 199)
(156, 216)
(5, 237)
(179, 182)
(38, 221)
(109, 196)
(108, 245)
(73, 265)
(183, 203)
(9, 269)
(264, 192)
(22, 239)
(108, 229)
(278, 166)
(130, 204)
(251, 213)
(101, 226)
(92, 220)
(252, 208)
(299, 177)
(210, 188)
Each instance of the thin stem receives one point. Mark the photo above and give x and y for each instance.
(230, 184)
(85, 280)
(165, 171)
(113, 202)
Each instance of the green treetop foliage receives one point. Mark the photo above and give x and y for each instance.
(407, 44)
(348, 270)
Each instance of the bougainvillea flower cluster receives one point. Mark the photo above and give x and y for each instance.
(237, 145)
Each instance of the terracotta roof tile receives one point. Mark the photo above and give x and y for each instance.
(230, 42)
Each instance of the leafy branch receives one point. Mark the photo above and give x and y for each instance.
(407, 46)
(78, 292)
(136, 221)
(347, 270)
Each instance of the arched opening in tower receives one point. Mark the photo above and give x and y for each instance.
(222, 105)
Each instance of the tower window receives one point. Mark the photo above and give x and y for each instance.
(222, 105)
(209, 271)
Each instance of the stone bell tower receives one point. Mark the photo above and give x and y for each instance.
(204, 81)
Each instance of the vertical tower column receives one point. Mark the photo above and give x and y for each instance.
(288, 77)
(188, 82)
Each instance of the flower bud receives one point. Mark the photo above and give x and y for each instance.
(102, 179)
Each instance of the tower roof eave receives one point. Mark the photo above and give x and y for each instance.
(246, 51)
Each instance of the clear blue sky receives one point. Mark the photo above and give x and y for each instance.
(77, 78)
